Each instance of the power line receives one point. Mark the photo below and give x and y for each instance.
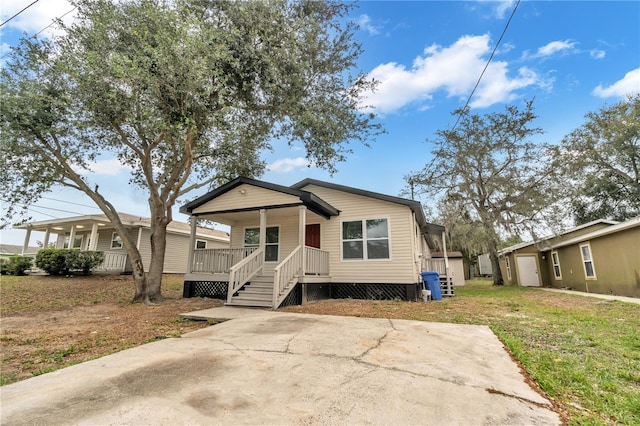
(41, 207)
(487, 65)
(69, 202)
(14, 16)
(53, 21)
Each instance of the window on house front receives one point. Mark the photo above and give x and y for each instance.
(587, 261)
(272, 243)
(77, 242)
(365, 239)
(201, 244)
(507, 265)
(116, 241)
(555, 260)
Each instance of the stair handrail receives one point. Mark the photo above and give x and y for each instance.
(243, 271)
(284, 273)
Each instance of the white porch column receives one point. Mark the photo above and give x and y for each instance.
(93, 239)
(47, 234)
(444, 252)
(192, 243)
(72, 236)
(25, 246)
(263, 229)
(302, 226)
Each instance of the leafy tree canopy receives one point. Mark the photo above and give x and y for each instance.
(491, 177)
(186, 93)
(601, 162)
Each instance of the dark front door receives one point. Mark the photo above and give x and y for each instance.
(312, 235)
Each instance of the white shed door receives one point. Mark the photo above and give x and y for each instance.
(527, 271)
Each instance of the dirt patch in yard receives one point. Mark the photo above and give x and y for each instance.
(52, 322)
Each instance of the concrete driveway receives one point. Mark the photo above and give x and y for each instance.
(280, 368)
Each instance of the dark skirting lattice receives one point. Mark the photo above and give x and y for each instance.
(213, 289)
(317, 292)
(293, 298)
(373, 291)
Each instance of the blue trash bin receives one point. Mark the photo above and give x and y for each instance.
(432, 282)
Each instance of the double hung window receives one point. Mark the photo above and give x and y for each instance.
(272, 243)
(557, 273)
(587, 261)
(366, 239)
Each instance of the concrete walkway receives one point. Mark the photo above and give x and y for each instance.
(268, 367)
(596, 295)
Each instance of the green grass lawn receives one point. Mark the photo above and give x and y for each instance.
(584, 352)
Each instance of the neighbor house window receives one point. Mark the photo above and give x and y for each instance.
(77, 242)
(116, 241)
(201, 244)
(555, 260)
(587, 261)
(507, 265)
(272, 243)
(365, 239)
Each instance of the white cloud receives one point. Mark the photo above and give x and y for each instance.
(36, 17)
(364, 22)
(597, 53)
(502, 7)
(286, 165)
(552, 48)
(630, 84)
(110, 167)
(454, 69)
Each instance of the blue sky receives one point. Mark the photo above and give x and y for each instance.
(573, 57)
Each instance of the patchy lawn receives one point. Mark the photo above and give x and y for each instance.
(52, 322)
(583, 352)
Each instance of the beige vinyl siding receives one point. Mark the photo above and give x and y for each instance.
(253, 197)
(399, 269)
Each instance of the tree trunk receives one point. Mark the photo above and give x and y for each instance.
(159, 222)
(495, 264)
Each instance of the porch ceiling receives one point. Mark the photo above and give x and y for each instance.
(231, 218)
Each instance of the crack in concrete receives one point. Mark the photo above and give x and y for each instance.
(519, 398)
(378, 343)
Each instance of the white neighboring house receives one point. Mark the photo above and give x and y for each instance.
(95, 232)
(309, 241)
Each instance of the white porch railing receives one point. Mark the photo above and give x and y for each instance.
(113, 261)
(218, 261)
(435, 265)
(243, 271)
(316, 261)
(284, 273)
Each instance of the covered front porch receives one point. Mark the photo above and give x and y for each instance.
(275, 244)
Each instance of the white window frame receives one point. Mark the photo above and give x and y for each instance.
(244, 234)
(589, 260)
(507, 264)
(364, 239)
(66, 241)
(113, 239)
(201, 241)
(555, 263)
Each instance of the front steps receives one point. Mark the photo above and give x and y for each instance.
(257, 293)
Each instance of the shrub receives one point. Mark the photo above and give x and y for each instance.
(63, 261)
(16, 265)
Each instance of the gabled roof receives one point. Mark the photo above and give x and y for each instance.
(519, 246)
(127, 220)
(631, 223)
(415, 206)
(310, 200)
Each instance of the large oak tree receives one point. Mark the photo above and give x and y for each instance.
(490, 175)
(186, 93)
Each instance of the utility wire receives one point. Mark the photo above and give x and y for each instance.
(70, 202)
(487, 65)
(53, 21)
(41, 207)
(16, 15)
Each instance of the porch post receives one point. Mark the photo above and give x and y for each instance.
(25, 246)
(93, 240)
(192, 243)
(444, 251)
(263, 229)
(302, 225)
(72, 236)
(47, 233)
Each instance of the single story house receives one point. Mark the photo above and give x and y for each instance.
(95, 232)
(308, 241)
(602, 256)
